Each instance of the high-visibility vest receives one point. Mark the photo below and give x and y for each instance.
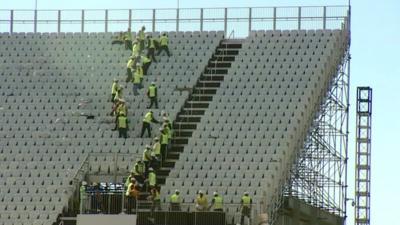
(145, 59)
(202, 201)
(139, 71)
(118, 95)
(146, 155)
(148, 117)
(136, 78)
(122, 121)
(157, 148)
(121, 108)
(168, 132)
(218, 202)
(135, 50)
(128, 36)
(164, 139)
(246, 201)
(139, 168)
(152, 43)
(82, 191)
(127, 181)
(114, 88)
(163, 40)
(152, 91)
(129, 64)
(152, 179)
(141, 35)
(157, 196)
(175, 198)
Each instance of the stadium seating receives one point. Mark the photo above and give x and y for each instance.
(249, 136)
(49, 83)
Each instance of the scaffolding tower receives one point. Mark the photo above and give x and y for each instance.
(319, 174)
(363, 156)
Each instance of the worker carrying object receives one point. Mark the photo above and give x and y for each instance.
(163, 44)
(148, 118)
(201, 202)
(246, 203)
(114, 89)
(217, 203)
(152, 94)
(175, 201)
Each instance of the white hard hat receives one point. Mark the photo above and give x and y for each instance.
(122, 100)
(148, 146)
(246, 193)
(151, 169)
(176, 191)
(153, 82)
(115, 79)
(200, 192)
(215, 193)
(84, 183)
(156, 139)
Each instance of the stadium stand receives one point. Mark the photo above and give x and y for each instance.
(50, 84)
(253, 123)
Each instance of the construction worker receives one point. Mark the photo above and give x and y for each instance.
(163, 44)
(155, 199)
(128, 179)
(246, 203)
(148, 118)
(137, 80)
(146, 62)
(139, 72)
(168, 127)
(141, 36)
(122, 125)
(118, 110)
(83, 198)
(132, 193)
(138, 171)
(151, 48)
(118, 94)
(129, 68)
(164, 140)
(147, 157)
(157, 148)
(217, 202)
(201, 202)
(135, 49)
(175, 201)
(114, 89)
(152, 94)
(152, 178)
(128, 39)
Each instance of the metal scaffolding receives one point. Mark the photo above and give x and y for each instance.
(363, 157)
(319, 175)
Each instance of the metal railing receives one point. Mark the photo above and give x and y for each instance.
(118, 203)
(241, 19)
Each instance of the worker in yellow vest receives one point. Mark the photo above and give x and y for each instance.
(128, 39)
(164, 140)
(122, 125)
(152, 179)
(147, 120)
(246, 203)
(217, 203)
(83, 197)
(129, 68)
(119, 108)
(157, 147)
(114, 89)
(141, 36)
(138, 171)
(139, 72)
(175, 201)
(151, 48)
(135, 49)
(137, 79)
(201, 202)
(152, 94)
(118, 94)
(146, 62)
(163, 44)
(155, 199)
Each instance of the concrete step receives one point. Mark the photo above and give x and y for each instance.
(206, 91)
(180, 140)
(208, 84)
(200, 97)
(216, 70)
(188, 118)
(206, 77)
(184, 125)
(197, 104)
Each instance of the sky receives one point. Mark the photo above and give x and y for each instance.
(375, 48)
